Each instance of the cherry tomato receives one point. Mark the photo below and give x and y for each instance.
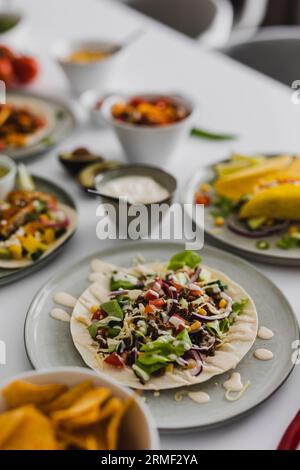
(158, 303)
(26, 69)
(202, 199)
(6, 52)
(114, 360)
(151, 295)
(6, 71)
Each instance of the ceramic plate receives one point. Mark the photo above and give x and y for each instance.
(60, 121)
(49, 343)
(42, 184)
(225, 238)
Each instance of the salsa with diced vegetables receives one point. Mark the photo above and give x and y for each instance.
(152, 112)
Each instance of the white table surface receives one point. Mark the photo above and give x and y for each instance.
(232, 98)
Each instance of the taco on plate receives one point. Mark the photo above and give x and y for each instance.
(163, 325)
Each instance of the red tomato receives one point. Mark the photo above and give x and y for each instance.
(6, 52)
(203, 199)
(149, 309)
(99, 314)
(6, 71)
(158, 303)
(114, 360)
(151, 295)
(26, 69)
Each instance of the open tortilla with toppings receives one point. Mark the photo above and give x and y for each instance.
(33, 224)
(24, 121)
(161, 326)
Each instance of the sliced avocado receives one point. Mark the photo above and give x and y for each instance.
(87, 176)
(78, 159)
(5, 253)
(256, 222)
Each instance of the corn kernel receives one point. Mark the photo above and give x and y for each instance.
(293, 229)
(205, 187)
(16, 251)
(94, 309)
(201, 311)
(219, 221)
(222, 303)
(170, 368)
(49, 236)
(195, 326)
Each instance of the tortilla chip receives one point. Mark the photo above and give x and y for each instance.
(20, 393)
(35, 432)
(95, 415)
(9, 422)
(66, 399)
(114, 425)
(87, 403)
(92, 438)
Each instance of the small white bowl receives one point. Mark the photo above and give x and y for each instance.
(138, 431)
(7, 182)
(145, 144)
(86, 76)
(14, 36)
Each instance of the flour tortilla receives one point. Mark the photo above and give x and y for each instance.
(23, 263)
(239, 340)
(39, 108)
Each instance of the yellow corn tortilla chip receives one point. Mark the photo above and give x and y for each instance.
(66, 399)
(20, 393)
(91, 438)
(239, 183)
(88, 402)
(96, 415)
(35, 432)
(9, 422)
(278, 202)
(115, 424)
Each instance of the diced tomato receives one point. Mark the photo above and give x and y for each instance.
(158, 303)
(178, 287)
(149, 308)
(151, 295)
(202, 199)
(196, 293)
(180, 328)
(99, 314)
(114, 360)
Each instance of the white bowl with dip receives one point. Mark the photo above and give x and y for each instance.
(8, 170)
(88, 65)
(149, 145)
(133, 186)
(143, 436)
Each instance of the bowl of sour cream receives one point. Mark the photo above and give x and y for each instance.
(136, 190)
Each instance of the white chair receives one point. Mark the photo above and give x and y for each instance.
(274, 51)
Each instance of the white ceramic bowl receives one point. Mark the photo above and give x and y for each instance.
(7, 182)
(16, 35)
(145, 144)
(86, 76)
(138, 431)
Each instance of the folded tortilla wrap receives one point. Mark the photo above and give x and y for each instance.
(278, 202)
(238, 342)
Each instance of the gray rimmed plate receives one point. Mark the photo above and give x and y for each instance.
(45, 185)
(225, 238)
(60, 121)
(49, 343)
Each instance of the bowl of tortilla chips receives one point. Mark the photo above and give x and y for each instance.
(70, 408)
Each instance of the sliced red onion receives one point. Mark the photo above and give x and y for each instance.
(199, 364)
(205, 349)
(196, 274)
(206, 318)
(182, 362)
(194, 287)
(118, 292)
(55, 224)
(238, 227)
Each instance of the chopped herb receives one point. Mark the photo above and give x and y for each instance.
(224, 207)
(60, 114)
(204, 134)
(287, 242)
(262, 245)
